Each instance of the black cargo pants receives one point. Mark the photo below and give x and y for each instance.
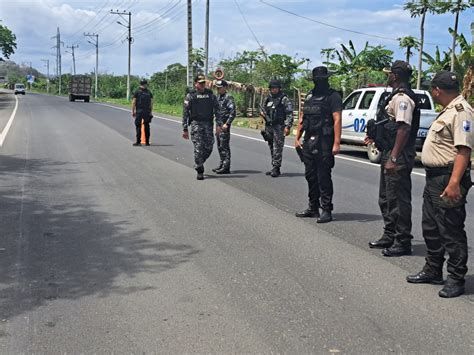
(443, 227)
(395, 199)
(317, 171)
(145, 116)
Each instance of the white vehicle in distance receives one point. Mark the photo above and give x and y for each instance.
(361, 106)
(19, 89)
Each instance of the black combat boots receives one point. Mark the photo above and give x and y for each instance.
(326, 216)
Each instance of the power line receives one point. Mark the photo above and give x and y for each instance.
(250, 29)
(159, 17)
(337, 27)
(161, 25)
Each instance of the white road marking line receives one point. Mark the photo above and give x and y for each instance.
(9, 123)
(261, 140)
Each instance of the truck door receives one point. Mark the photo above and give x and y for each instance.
(348, 112)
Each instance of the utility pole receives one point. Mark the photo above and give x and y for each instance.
(130, 40)
(73, 57)
(58, 58)
(190, 43)
(96, 44)
(206, 41)
(47, 76)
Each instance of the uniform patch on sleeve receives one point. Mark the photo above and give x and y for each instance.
(459, 107)
(466, 126)
(403, 106)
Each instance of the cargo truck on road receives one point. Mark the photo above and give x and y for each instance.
(80, 88)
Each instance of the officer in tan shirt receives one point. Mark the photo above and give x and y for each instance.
(397, 143)
(446, 155)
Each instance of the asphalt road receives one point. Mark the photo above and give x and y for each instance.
(105, 247)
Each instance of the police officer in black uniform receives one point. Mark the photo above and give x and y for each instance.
(226, 116)
(278, 122)
(199, 109)
(142, 108)
(395, 134)
(321, 125)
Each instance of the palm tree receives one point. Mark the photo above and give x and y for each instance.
(420, 8)
(329, 53)
(408, 42)
(455, 7)
(437, 62)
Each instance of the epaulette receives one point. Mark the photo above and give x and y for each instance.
(459, 107)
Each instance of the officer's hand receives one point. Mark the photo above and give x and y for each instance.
(368, 141)
(225, 127)
(134, 114)
(336, 148)
(390, 167)
(452, 192)
(298, 144)
(287, 131)
(185, 134)
(218, 130)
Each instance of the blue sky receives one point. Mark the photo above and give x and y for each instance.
(161, 39)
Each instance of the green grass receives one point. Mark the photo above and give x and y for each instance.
(173, 110)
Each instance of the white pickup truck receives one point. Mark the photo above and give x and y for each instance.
(361, 106)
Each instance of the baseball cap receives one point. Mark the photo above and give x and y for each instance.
(400, 67)
(200, 79)
(143, 82)
(221, 83)
(446, 80)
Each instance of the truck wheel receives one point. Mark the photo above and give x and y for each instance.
(86, 99)
(373, 153)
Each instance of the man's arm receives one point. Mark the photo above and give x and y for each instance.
(337, 117)
(299, 132)
(231, 110)
(461, 161)
(151, 102)
(289, 113)
(134, 107)
(186, 115)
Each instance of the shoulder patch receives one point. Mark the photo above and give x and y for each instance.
(403, 106)
(459, 107)
(466, 126)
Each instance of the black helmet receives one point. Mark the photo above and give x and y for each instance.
(274, 84)
(143, 82)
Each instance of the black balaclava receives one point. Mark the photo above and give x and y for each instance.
(321, 85)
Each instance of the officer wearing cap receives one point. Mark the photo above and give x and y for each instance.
(321, 125)
(200, 107)
(400, 120)
(142, 108)
(226, 116)
(446, 156)
(278, 122)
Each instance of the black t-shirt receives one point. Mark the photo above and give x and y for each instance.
(143, 103)
(335, 101)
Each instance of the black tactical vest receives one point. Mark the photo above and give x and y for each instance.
(318, 121)
(275, 109)
(386, 139)
(202, 106)
(143, 100)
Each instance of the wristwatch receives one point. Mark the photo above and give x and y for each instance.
(393, 159)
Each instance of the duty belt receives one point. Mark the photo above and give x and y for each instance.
(433, 172)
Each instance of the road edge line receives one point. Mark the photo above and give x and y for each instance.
(4, 133)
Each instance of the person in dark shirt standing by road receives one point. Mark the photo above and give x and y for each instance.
(321, 125)
(142, 108)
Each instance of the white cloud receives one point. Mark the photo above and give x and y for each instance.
(163, 42)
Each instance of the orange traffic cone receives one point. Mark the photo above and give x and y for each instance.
(143, 139)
